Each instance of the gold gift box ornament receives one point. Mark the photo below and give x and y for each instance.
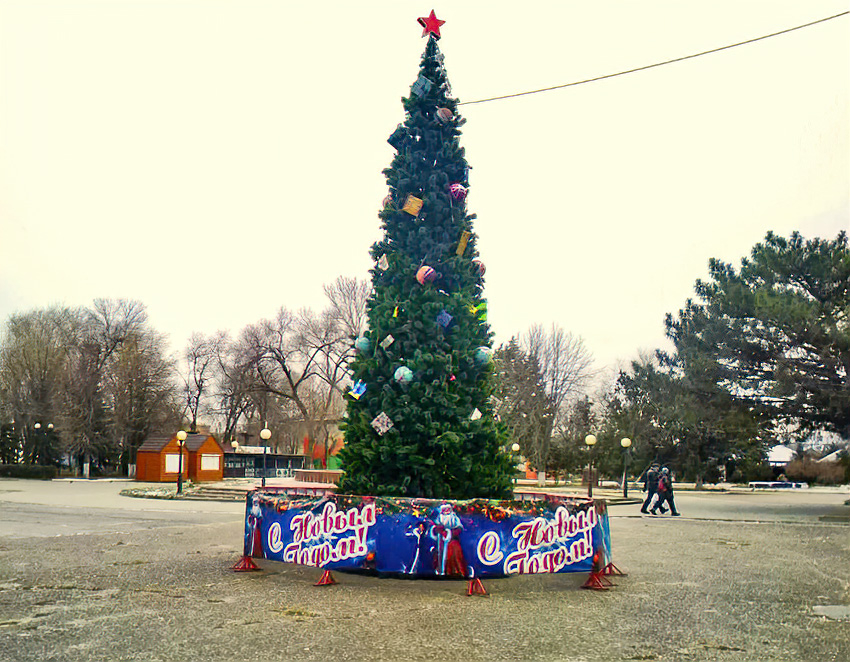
(464, 239)
(412, 205)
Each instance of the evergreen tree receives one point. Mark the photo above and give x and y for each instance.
(522, 402)
(777, 330)
(682, 418)
(425, 360)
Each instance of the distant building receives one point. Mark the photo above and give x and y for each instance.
(248, 462)
(158, 459)
(834, 456)
(780, 456)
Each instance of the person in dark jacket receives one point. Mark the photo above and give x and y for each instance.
(650, 482)
(664, 488)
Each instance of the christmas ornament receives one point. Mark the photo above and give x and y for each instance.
(476, 414)
(458, 191)
(445, 115)
(452, 378)
(412, 205)
(382, 423)
(482, 355)
(383, 263)
(431, 25)
(395, 312)
(426, 275)
(403, 375)
(421, 87)
(464, 239)
(480, 311)
(386, 342)
(444, 319)
(357, 390)
(479, 265)
(397, 137)
(362, 344)
(388, 200)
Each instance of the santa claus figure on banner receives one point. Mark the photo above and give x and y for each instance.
(446, 532)
(253, 537)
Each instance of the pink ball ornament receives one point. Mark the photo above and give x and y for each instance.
(458, 191)
(479, 265)
(426, 274)
(445, 115)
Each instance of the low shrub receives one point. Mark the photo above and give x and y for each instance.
(36, 471)
(811, 471)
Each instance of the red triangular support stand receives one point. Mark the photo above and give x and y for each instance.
(327, 579)
(245, 564)
(476, 588)
(611, 569)
(597, 581)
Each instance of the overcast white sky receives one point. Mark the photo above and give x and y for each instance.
(217, 159)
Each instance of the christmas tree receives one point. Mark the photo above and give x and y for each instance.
(419, 420)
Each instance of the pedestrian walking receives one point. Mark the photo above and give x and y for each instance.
(664, 488)
(650, 483)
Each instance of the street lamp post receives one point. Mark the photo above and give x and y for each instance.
(42, 441)
(515, 450)
(234, 463)
(181, 439)
(39, 442)
(625, 442)
(265, 435)
(590, 440)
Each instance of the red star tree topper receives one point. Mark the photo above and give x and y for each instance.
(431, 24)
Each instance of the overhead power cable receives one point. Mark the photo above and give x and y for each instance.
(657, 64)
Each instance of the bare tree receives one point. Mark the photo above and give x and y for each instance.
(348, 298)
(141, 391)
(303, 357)
(565, 365)
(89, 373)
(200, 356)
(34, 354)
(333, 333)
(290, 371)
(284, 365)
(235, 383)
(541, 374)
(106, 326)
